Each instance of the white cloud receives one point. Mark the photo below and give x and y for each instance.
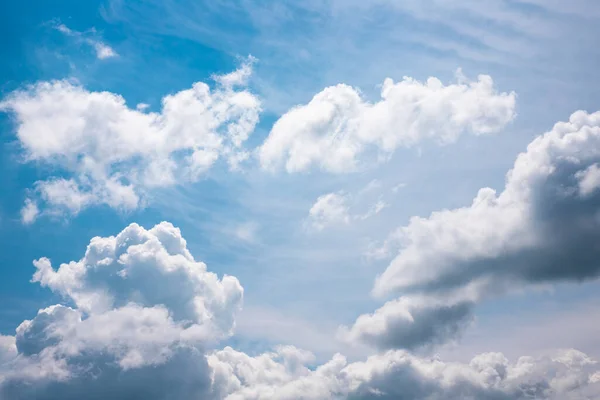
(589, 180)
(113, 153)
(340, 208)
(147, 267)
(145, 313)
(142, 306)
(247, 231)
(103, 51)
(329, 209)
(400, 375)
(29, 212)
(539, 229)
(338, 128)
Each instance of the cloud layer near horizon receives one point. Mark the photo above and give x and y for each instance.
(146, 320)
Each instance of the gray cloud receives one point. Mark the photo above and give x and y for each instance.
(144, 312)
(542, 228)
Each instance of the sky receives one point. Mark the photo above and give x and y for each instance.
(245, 199)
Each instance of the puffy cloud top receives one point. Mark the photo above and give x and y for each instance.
(141, 305)
(337, 126)
(399, 375)
(543, 227)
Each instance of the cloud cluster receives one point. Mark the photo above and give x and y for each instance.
(105, 152)
(337, 128)
(542, 228)
(145, 317)
(399, 375)
(143, 312)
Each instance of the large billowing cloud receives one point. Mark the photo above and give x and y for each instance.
(143, 312)
(338, 126)
(543, 227)
(109, 153)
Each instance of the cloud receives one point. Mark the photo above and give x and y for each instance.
(113, 154)
(103, 51)
(542, 228)
(337, 129)
(400, 375)
(143, 312)
(336, 208)
(329, 209)
(29, 212)
(410, 323)
(144, 316)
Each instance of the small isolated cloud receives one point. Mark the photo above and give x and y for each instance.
(336, 129)
(329, 209)
(29, 212)
(109, 153)
(542, 228)
(335, 208)
(102, 50)
(247, 231)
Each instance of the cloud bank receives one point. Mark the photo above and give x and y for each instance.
(144, 319)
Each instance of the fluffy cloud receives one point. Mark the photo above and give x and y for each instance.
(143, 313)
(111, 154)
(411, 322)
(400, 375)
(338, 126)
(542, 228)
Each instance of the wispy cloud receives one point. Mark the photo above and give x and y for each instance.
(89, 37)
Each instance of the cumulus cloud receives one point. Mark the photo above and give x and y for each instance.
(338, 127)
(143, 317)
(400, 375)
(102, 50)
(113, 154)
(542, 228)
(143, 312)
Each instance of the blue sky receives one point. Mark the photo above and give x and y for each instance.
(270, 135)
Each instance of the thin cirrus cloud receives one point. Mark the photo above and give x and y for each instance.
(112, 154)
(541, 229)
(102, 50)
(146, 319)
(338, 127)
(336, 209)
